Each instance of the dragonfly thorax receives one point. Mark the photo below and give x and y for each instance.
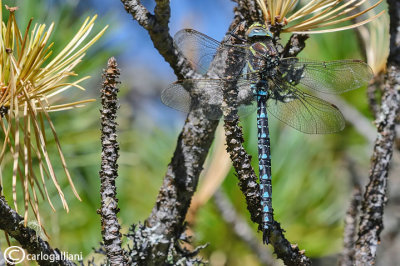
(263, 58)
(263, 52)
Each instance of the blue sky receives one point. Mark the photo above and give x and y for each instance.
(211, 17)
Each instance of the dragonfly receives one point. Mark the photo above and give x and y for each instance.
(264, 80)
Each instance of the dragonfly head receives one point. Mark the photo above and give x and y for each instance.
(258, 30)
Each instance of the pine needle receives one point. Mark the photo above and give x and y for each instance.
(316, 14)
(28, 87)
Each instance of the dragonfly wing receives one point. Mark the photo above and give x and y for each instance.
(333, 77)
(205, 94)
(247, 109)
(175, 96)
(303, 111)
(200, 49)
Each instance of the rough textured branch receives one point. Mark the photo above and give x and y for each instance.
(109, 167)
(246, 10)
(374, 200)
(13, 224)
(295, 45)
(180, 182)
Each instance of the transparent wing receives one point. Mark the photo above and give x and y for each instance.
(329, 77)
(247, 109)
(200, 49)
(206, 94)
(175, 96)
(303, 111)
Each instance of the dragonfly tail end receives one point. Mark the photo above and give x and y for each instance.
(266, 237)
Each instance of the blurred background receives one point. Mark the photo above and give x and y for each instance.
(313, 175)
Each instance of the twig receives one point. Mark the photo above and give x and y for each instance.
(350, 229)
(295, 45)
(13, 224)
(109, 167)
(241, 228)
(374, 200)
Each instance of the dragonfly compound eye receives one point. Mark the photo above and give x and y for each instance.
(258, 31)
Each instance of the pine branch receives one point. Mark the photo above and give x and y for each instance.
(109, 167)
(13, 224)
